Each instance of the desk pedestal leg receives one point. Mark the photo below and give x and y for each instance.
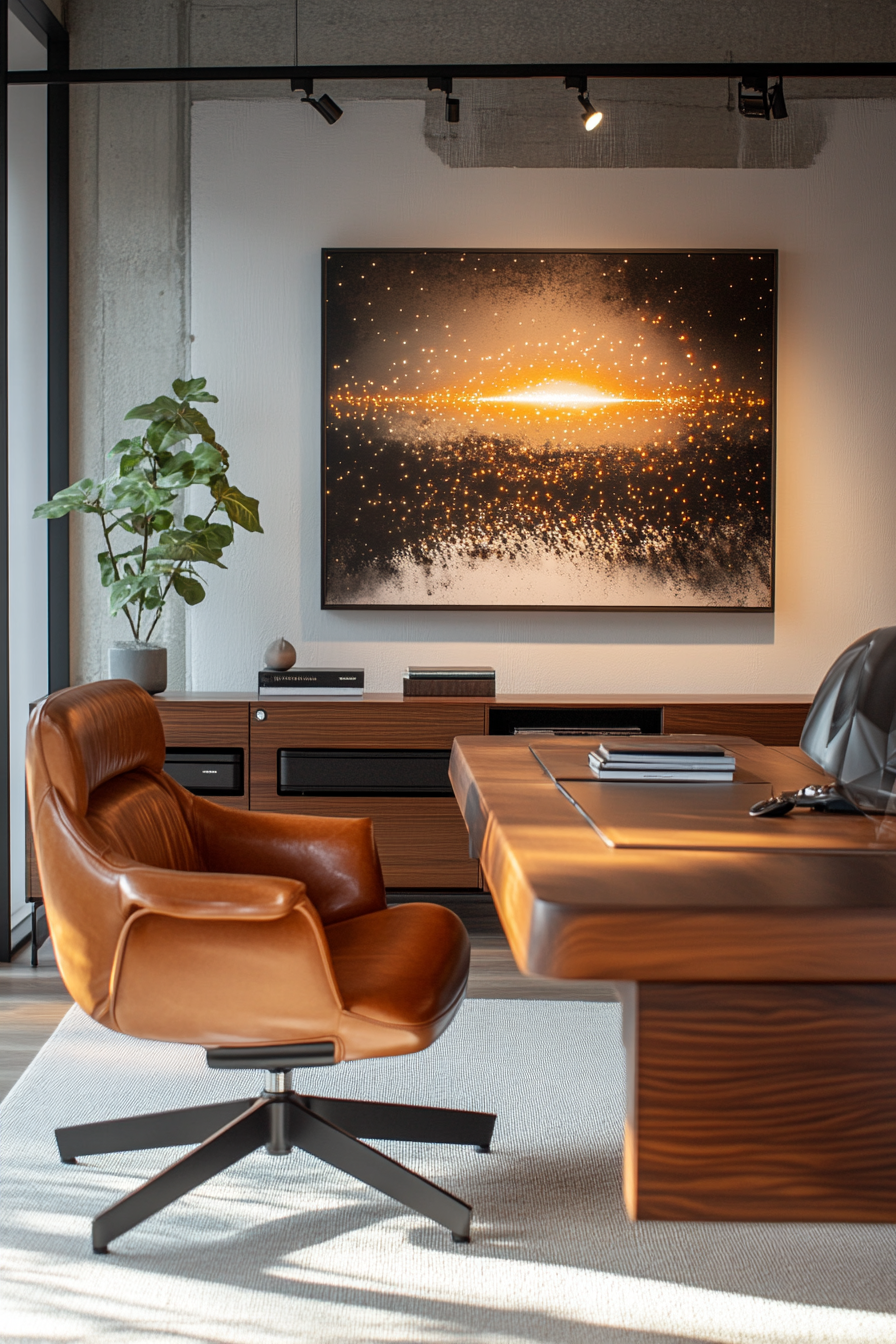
(767, 1102)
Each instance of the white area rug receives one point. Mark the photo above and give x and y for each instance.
(284, 1249)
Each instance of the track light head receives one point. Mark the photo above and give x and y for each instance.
(329, 110)
(325, 105)
(752, 96)
(590, 115)
(756, 99)
(776, 100)
(445, 84)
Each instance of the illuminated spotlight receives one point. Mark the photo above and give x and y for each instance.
(590, 116)
(444, 84)
(756, 99)
(325, 105)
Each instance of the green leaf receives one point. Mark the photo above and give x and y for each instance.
(129, 589)
(191, 590)
(79, 498)
(193, 390)
(219, 534)
(180, 464)
(107, 569)
(199, 423)
(241, 509)
(191, 546)
(126, 445)
(207, 457)
(56, 508)
(163, 408)
(193, 523)
(137, 495)
(173, 434)
(161, 520)
(195, 467)
(128, 461)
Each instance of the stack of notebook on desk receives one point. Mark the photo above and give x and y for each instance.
(642, 759)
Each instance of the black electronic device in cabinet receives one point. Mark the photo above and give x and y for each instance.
(208, 772)
(574, 721)
(359, 774)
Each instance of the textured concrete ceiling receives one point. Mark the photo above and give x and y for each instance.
(535, 123)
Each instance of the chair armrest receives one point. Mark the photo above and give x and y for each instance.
(335, 857)
(189, 895)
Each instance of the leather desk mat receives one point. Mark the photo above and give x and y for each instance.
(716, 816)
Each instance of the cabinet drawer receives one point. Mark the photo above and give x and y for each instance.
(216, 725)
(363, 724)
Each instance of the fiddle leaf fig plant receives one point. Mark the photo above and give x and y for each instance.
(147, 554)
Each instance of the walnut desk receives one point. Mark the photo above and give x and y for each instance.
(755, 960)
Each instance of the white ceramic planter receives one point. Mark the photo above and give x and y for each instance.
(146, 664)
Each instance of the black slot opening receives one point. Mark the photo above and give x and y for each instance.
(360, 774)
(208, 771)
(573, 721)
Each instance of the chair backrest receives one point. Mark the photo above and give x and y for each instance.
(98, 798)
(850, 730)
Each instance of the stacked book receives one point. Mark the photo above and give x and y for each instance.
(311, 681)
(657, 762)
(450, 681)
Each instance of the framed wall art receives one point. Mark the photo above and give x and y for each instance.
(549, 430)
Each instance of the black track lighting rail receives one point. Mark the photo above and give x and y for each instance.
(597, 70)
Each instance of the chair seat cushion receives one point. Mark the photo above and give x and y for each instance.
(405, 966)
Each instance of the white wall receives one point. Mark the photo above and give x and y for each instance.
(27, 477)
(272, 184)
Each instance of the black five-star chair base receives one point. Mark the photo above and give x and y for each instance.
(327, 1127)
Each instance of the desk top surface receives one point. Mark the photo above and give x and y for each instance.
(666, 881)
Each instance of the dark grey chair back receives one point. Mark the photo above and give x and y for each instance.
(851, 728)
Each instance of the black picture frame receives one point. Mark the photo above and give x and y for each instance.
(558, 430)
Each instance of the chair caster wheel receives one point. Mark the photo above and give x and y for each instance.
(483, 1147)
(101, 1250)
(456, 1237)
(69, 1161)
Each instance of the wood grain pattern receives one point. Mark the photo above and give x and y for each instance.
(770, 724)
(572, 905)
(771, 1102)
(432, 724)
(422, 842)
(200, 724)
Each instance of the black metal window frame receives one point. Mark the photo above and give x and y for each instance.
(42, 23)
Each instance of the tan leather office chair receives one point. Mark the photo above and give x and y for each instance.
(264, 938)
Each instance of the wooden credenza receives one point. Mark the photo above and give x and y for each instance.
(423, 841)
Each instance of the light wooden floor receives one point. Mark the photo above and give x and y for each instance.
(33, 1001)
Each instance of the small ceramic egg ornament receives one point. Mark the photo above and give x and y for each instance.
(279, 655)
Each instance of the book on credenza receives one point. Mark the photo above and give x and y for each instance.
(326, 681)
(451, 673)
(449, 681)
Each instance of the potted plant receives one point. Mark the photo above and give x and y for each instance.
(147, 553)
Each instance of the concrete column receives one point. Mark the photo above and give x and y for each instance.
(129, 274)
